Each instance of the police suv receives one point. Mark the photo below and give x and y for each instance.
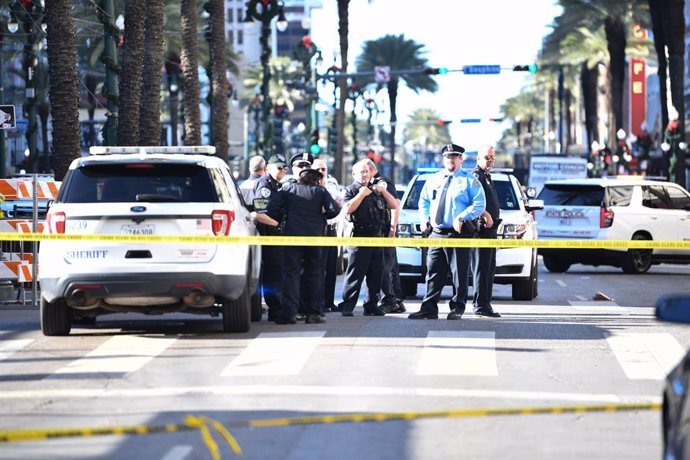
(514, 266)
(147, 191)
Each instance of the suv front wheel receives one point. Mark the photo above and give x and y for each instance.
(56, 317)
(237, 313)
(636, 261)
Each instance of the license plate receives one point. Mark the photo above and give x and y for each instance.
(133, 229)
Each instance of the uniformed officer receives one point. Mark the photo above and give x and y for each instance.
(257, 168)
(450, 202)
(268, 223)
(306, 205)
(366, 205)
(392, 300)
(484, 259)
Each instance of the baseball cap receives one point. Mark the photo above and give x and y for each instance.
(278, 160)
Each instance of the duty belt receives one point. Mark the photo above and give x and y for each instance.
(444, 231)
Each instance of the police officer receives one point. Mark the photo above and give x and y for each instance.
(366, 205)
(268, 223)
(306, 205)
(450, 202)
(257, 168)
(484, 259)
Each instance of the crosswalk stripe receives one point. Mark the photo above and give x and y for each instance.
(275, 353)
(646, 355)
(120, 354)
(9, 347)
(594, 307)
(178, 453)
(459, 353)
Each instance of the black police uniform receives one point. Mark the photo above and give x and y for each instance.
(390, 281)
(271, 256)
(484, 259)
(368, 220)
(306, 209)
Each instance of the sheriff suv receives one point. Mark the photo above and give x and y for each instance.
(625, 208)
(167, 191)
(514, 266)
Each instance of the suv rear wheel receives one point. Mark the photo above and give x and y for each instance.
(555, 265)
(56, 317)
(636, 261)
(237, 313)
(527, 289)
(257, 312)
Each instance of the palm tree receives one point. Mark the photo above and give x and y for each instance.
(219, 81)
(149, 112)
(190, 72)
(131, 77)
(398, 53)
(62, 59)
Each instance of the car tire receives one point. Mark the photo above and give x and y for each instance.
(237, 313)
(527, 289)
(409, 288)
(556, 265)
(637, 261)
(56, 318)
(257, 311)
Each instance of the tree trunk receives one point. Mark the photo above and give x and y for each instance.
(615, 38)
(219, 67)
(588, 80)
(149, 111)
(190, 73)
(656, 11)
(131, 77)
(343, 32)
(64, 97)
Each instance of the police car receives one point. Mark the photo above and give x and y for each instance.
(167, 191)
(514, 266)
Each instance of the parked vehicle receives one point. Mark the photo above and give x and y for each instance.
(171, 191)
(514, 266)
(625, 208)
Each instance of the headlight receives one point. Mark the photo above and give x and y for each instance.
(513, 231)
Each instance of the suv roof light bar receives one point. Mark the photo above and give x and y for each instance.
(143, 150)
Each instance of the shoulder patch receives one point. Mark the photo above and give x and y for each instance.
(476, 183)
(265, 192)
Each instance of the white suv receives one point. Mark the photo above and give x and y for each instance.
(626, 208)
(172, 191)
(514, 266)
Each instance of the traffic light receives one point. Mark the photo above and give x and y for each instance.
(332, 140)
(442, 122)
(532, 68)
(314, 147)
(435, 70)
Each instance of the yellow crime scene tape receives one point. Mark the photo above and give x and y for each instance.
(205, 424)
(357, 241)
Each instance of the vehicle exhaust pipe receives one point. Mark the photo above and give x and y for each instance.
(81, 299)
(198, 299)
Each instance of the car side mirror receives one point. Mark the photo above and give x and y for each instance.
(674, 308)
(534, 205)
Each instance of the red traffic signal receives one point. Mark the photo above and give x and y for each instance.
(442, 122)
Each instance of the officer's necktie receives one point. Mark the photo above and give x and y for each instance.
(441, 207)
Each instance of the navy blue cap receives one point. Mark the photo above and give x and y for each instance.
(278, 160)
(452, 149)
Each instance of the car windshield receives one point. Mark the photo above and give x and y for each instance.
(143, 182)
(572, 195)
(507, 200)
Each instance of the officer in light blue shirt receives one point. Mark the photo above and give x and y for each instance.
(449, 205)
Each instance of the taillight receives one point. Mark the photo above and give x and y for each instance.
(56, 222)
(221, 221)
(605, 218)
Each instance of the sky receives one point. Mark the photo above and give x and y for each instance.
(455, 33)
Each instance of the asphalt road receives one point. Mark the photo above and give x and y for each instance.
(561, 350)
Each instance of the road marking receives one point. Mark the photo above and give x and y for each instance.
(120, 354)
(9, 347)
(311, 391)
(458, 353)
(275, 353)
(177, 453)
(646, 356)
(593, 307)
(561, 283)
(581, 297)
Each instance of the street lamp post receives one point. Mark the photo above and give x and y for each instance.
(264, 11)
(304, 51)
(353, 93)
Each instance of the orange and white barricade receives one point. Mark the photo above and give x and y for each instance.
(16, 270)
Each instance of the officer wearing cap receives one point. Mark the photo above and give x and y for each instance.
(450, 202)
(306, 205)
(298, 163)
(268, 223)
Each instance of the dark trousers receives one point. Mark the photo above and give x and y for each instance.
(361, 262)
(272, 277)
(483, 270)
(330, 260)
(302, 280)
(390, 282)
(439, 261)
